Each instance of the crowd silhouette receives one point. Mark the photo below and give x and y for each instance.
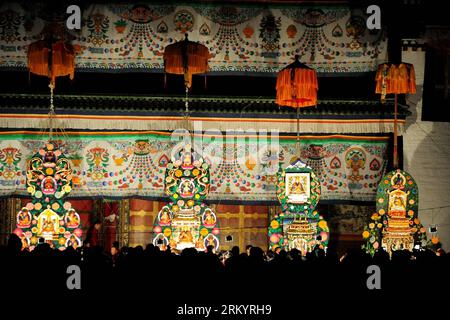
(207, 276)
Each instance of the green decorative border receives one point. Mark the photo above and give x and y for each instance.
(198, 174)
(308, 208)
(385, 186)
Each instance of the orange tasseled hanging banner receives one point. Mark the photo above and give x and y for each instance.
(297, 87)
(412, 79)
(187, 58)
(395, 79)
(62, 62)
(38, 58)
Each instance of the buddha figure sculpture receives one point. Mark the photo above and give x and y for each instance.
(397, 235)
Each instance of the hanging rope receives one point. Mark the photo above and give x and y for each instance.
(51, 112)
(395, 151)
(186, 109)
(297, 144)
(53, 135)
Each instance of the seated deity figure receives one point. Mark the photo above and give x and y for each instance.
(209, 218)
(186, 157)
(48, 230)
(185, 236)
(210, 241)
(199, 244)
(73, 242)
(48, 222)
(73, 219)
(297, 186)
(397, 205)
(187, 188)
(165, 218)
(48, 186)
(48, 226)
(24, 218)
(50, 158)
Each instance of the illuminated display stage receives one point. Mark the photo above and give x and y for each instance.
(48, 216)
(298, 225)
(186, 222)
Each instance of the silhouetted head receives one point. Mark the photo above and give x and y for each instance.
(14, 243)
(189, 252)
(97, 224)
(43, 249)
(320, 253)
(235, 251)
(210, 249)
(269, 255)
(69, 251)
(295, 254)
(114, 251)
(282, 253)
(381, 255)
(256, 253)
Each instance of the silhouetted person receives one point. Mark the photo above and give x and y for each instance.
(210, 249)
(14, 245)
(235, 251)
(134, 270)
(93, 235)
(114, 253)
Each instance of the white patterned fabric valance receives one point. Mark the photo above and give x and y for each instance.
(243, 168)
(127, 37)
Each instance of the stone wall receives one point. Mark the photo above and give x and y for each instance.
(427, 156)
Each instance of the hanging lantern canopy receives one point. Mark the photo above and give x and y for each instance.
(187, 58)
(297, 86)
(51, 60)
(395, 79)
